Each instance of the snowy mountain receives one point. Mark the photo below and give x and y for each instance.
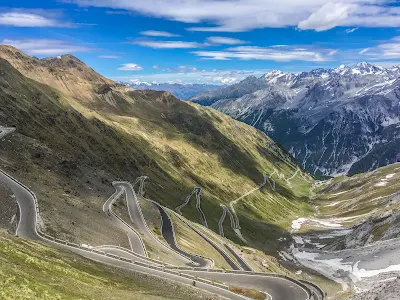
(333, 121)
(179, 90)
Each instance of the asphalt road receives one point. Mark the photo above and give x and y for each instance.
(27, 225)
(277, 288)
(240, 260)
(198, 206)
(221, 221)
(27, 229)
(135, 240)
(169, 236)
(137, 218)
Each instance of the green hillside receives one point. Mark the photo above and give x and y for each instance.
(33, 271)
(70, 150)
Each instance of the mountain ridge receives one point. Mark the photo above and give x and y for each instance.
(182, 91)
(332, 120)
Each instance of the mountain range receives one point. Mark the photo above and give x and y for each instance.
(336, 121)
(179, 90)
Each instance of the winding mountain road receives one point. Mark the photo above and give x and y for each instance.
(277, 288)
(169, 235)
(221, 221)
(136, 216)
(197, 191)
(135, 240)
(169, 231)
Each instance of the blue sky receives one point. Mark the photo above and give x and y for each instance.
(204, 41)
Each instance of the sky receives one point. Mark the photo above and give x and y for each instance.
(204, 41)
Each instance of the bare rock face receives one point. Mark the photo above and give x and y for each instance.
(333, 121)
(382, 291)
(9, 214)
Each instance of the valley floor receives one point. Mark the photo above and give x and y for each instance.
(355, 239)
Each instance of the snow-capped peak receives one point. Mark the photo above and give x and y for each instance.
(277, 76)
(342, 69)
(137, 82)
(364, 68)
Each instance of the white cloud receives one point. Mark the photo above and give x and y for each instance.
(156, 67)
(182, 69)
(109, 56)
(25, 19)
(245, 15)
(328, 16)
(351, 30)
(130, 67)
(387, 64)
(333, 52)
(386, 50)
(220, 40)
(45, 46)
(168, 44)
(280, 54)
(158, 33)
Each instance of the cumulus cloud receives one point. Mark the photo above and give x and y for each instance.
(220, 40)
(245, 15)
(328, 16)
(158, 33)
(130, 67)
(29, 19)
(167, 44)
(279, 54)
(45, 46)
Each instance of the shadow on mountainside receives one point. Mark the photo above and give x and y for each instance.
(56, 143)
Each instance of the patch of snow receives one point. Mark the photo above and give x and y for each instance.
(384, 181)
(337, 194)
(390, 121)
(334, 204)
(296, 224)
(298, 239)
(362, 273)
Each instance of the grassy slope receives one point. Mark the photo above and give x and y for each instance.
(33, 271)
(363, 200)
(69, 151)
(359, 194)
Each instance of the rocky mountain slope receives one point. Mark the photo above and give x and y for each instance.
(333, 121)
(179, 90)
(354, 237)
(69, 148)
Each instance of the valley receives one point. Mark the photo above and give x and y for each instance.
(146, 183)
